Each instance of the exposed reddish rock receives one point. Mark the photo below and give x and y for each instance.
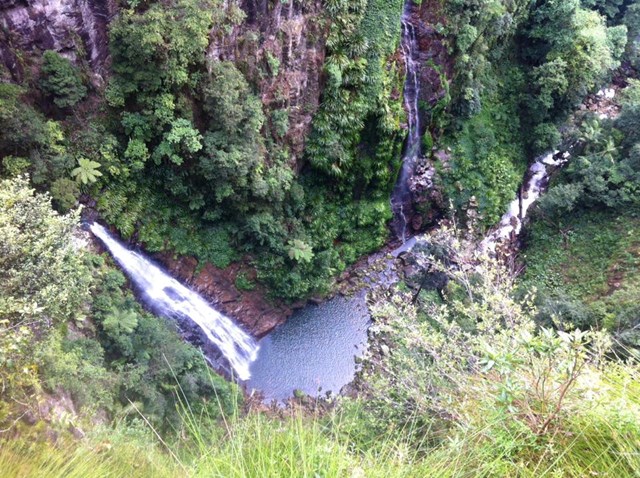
(252, 309)
(436, 63)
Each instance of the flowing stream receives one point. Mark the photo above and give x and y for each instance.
(401, 197)
(511, 222)
(171, 299)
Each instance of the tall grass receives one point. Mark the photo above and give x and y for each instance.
(599, 438)
(94, 458)
(259, 446)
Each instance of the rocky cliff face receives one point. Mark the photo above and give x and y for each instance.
(436, 66)
(280, 47)
(435, 69)
(250, 308)
(76, 29)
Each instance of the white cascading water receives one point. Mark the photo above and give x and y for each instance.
(172, 300)
(401, 197)
(511, 222)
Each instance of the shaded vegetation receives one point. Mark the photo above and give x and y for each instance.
(520, 71)
(470, 371)
(68, 324)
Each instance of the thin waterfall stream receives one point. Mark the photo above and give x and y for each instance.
(512, 221)
(173, 300)
(401, 198)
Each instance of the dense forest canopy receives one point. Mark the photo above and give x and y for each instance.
(183, 151)
(262, 140)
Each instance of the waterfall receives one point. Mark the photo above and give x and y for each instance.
(534, 186)
(173, 300)
(401, 198)
(510, 224)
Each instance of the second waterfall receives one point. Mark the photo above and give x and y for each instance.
(401, 200)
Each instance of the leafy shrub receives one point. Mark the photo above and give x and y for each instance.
(547, 137)
(43, 284)
(61, 80)
(475, 364)
(243, 282)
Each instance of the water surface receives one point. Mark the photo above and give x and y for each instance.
(314, 351)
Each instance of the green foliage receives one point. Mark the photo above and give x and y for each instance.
(299, 251)
(481, 32)
(115, 355)
(463, 382)
(201, 174)
(561, 199)
(547, 137)
(488, 158)
(357, 109)
(632, 21)
(599, 440)
(155, 57)
(473, 367)
(463, 385)
(571, 50)
(21, 125)
(15, 165)
(78, 368)
(607, 173)
(280, 121)
(87, 171)
(522, 67)
(234, 163)
(586, 270)
(583, 256)
(227, 184)
(31, 144)
(243, 282)
(65, 193)
(610, 8)
(43, 284)
(156, 51)
(43, 279)
(123, 450)
(60, 79)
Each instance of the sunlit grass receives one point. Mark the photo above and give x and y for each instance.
(88, 459)
(597, 438)
(260, 446)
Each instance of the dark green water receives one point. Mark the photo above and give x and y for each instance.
(314, 351)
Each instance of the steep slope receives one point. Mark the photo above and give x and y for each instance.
(76, 28)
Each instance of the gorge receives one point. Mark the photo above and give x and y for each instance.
(329, 363)
(298, 238)
(315, 350)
